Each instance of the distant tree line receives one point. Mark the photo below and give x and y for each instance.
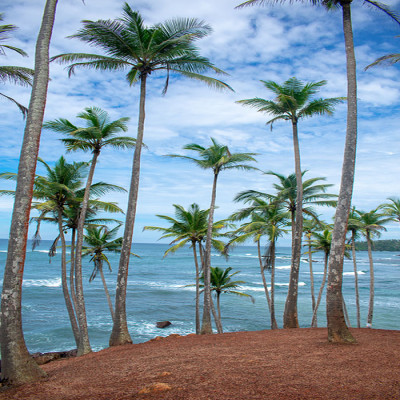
(380, 245)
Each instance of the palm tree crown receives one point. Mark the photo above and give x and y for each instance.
(18, 75)
(129, 44)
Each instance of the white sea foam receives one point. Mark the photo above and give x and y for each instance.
(3, 251)
(352, 273)
(284, 267)
(56, 282)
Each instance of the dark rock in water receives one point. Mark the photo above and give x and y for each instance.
(44, 358)
(163, 324)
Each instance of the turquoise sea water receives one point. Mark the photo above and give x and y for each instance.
(157, 292)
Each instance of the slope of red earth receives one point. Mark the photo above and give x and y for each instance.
(281, 364)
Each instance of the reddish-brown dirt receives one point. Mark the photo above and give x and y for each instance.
(282, 364)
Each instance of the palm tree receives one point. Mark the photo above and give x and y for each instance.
(98, 240)
(144, 51)
(310, 226)
(17, 366)
(18, 75)
(337, 328)
(354, 226)
(217, 157)
(293, 102)
(267, 219)
(189, 226)
(371, 224)
(322, 241)
(313, 194)
(98, 133)
(221, 282)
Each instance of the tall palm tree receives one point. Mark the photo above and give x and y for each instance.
(98, 133)
(354, 226)
(18, 75)
(337, 328)
(129, 44)
(313, 194)
(293, 101)
(17, 366)
(371, 224)
(221, 282)
(217, 157)
(189, 226)
(98, 240)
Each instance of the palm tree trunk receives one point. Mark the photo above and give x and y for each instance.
(196, 263)
(64, 281)
(311, 280)
(72, 269)
(274, 324)
(321, 289)
(346, 315)
(120, 334)
(17, 366)
(371, 282)
(206, 327)
(353, 250)
(84, 343)
(219, 307)
(264, 281)
(290, 318)
(337, 328)
(107, 293)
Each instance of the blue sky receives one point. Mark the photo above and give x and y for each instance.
(268, 43)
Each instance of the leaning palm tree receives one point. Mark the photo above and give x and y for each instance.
(314, 193)
(293, 101)
(354, 226)
(371, 224)
(189, 226)
(144, 51)
(217, 157)
(98, 133)
(337, 328)
(221, 282)
(17, 366)
(18, 75)
(98, 240)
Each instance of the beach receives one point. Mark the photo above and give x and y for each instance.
(282, 364)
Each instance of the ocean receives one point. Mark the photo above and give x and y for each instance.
(158, 291)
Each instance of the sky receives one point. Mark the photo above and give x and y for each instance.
(273, 42)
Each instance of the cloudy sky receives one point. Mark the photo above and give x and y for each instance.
(268, 43)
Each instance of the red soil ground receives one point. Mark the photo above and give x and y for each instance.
(282, 364)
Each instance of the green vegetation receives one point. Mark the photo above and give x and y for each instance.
(380, 245)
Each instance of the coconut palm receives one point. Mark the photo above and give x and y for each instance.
(189, 226)
(144, 51)
(267, 219)
(371, 225)
(221, 282)
(294, 101)
(17, 366)
(217, 157)
(313, 194)
(389, 59)
(310, 226)
(337, 329)
(98, 133)
(322, 242)
(17, 75)
(354, 226)
(98, 240)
